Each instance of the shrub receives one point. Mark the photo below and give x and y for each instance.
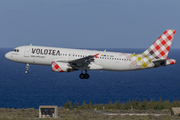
(145, 105)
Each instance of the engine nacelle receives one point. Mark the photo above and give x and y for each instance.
(61, 67)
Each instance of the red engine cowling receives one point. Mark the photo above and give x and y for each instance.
(61, 67)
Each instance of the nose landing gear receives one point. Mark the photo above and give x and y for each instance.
(84, 76)
(27, 68)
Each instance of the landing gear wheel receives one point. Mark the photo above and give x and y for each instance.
(26, 71)
(82, 76)
(27, 68)
(86, 76)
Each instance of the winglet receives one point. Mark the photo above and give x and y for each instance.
(96, 55)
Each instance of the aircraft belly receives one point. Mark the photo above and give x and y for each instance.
(115, 66)
(95, 67)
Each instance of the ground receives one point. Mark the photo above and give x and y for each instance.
(31, 113)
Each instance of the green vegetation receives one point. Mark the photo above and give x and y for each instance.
(138, 105)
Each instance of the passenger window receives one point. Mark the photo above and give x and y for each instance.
(17, 50)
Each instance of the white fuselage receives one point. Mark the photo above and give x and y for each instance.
(39, 55)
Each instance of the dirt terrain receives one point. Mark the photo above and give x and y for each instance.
(64, 114)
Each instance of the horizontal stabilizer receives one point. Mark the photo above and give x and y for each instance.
(163, 62)
(158, 63)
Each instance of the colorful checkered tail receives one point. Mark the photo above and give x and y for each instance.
(160, 48)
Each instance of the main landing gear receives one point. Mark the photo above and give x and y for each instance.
(27, 68)
(84, 76)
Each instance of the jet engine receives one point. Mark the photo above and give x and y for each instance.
(61, 67)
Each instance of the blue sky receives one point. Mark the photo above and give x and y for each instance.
(87, 23)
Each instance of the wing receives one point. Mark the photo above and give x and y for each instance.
(84, 61)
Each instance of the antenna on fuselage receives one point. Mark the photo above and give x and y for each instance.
(105, 50)
(31, 44)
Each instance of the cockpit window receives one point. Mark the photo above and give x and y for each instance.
(16, 50)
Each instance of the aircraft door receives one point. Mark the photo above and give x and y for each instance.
(26, 53)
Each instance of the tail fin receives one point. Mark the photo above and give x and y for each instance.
(160, 48)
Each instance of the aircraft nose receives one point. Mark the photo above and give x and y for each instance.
(7, 55)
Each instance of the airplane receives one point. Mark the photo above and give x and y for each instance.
(69, 60)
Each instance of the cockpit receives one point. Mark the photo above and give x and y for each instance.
(16, 50)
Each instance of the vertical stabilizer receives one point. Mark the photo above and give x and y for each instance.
(160, 48)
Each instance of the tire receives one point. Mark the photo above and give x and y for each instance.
(86, 76)
(26, 71)
(82, 76)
